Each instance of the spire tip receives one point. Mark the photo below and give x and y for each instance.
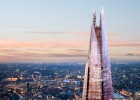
(102, 11)
(94, 17)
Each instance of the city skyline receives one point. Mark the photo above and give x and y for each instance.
(58, 31)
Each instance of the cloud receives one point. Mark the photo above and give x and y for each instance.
(15, 54)
(77, 51)
(56, 49)
(44, 32)
(60, 32)
(130, 54)
(40, 45)
(66, 55)
(124, 43)
(21, 56)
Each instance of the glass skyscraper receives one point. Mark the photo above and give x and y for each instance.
(97, 79)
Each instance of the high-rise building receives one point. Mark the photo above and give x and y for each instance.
(28, 87)
(97, 79)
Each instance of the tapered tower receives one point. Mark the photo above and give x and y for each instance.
(97, 79)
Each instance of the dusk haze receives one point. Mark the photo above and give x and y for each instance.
(41, 31)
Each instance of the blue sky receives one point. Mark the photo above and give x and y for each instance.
(48, 30)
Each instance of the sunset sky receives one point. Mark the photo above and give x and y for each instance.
(59, 30)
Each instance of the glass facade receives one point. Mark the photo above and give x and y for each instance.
(97, 79)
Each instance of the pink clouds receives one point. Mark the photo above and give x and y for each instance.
(17, 50)
(56, 43)
(59, 32)
(52, 48)
(124, 43)
(59, 44)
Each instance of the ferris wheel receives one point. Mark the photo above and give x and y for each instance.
(36, 76)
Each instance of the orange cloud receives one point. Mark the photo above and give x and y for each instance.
(59, 32)
(124, 43)
(13, 50)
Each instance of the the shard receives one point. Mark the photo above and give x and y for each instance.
(97, 78)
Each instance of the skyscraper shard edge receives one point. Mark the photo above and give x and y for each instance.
(97, 79)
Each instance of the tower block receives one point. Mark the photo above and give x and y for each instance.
(97, 79)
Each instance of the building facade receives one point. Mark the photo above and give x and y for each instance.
(97, 79)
